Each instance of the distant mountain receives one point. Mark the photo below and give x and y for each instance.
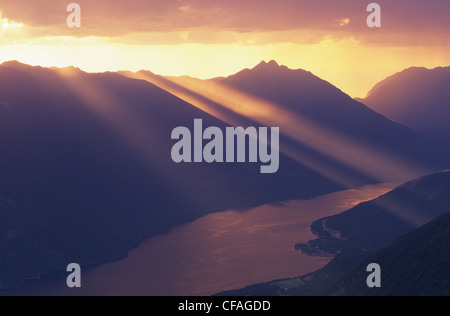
(86, 171)
(416, 97)
(373, 224)
(417, 264)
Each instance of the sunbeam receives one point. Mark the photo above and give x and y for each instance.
(220, 100)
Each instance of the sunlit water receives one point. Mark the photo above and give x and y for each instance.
(218, 252)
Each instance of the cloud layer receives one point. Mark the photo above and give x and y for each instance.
(408, 22)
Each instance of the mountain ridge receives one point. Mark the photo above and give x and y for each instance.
(417, 97)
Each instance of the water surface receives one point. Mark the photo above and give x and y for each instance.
(217, 252)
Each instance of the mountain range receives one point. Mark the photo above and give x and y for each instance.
(322, 127)
(86, 172)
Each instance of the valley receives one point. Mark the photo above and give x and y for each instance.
(82, 181)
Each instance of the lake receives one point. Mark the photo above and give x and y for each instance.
(218, 252)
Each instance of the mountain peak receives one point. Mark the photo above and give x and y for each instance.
(271, 65)
(13, 64)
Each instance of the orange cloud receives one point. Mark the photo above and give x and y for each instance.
(414, 21)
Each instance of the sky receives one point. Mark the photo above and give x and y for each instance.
(209, 38)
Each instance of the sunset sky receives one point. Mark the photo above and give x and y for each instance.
(208, 38)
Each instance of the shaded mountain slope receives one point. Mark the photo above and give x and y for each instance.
(371, 225)
(417, 264)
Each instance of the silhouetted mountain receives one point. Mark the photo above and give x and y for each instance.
(310, 97)
(417, 264)
(86, 170)
(373, 224)
(416, 97)
(338, 121)
(321, 127)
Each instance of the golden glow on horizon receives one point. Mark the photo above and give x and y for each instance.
(347, 64)
(192, 38)
(6, 24)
